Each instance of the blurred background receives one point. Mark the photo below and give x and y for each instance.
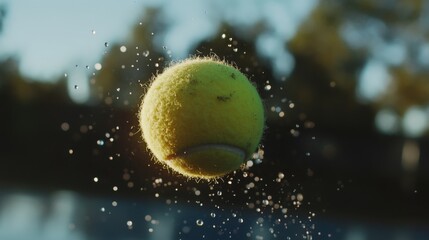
(344, 155)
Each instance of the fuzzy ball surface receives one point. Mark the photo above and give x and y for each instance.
(202, 117)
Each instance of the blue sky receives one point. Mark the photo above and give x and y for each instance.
(51, 37)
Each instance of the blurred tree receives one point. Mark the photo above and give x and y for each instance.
(320, 41)
(129, 66)
(410, 89)
(23, 90)
(342, 39)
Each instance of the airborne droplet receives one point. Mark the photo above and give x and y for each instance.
(199, 222)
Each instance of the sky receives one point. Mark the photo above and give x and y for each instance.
(51, 37)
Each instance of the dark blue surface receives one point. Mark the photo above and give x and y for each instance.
(67, 215)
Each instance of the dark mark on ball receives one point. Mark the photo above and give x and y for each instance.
(224, 98)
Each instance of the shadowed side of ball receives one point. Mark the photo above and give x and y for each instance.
(202, 117)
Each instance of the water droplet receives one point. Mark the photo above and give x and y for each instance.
(95, 179)
(146, 53)
(93, 32)
(98, 66)
(267, 87)
(123, 49)
(200, 222)
(223, 36)
(240, 220)
(213, 214)
(65, 74)
(76, 87)
(300, 197)
(219, 193)
(100, 142)
(106, 44)
(65, 126)
(129, 223)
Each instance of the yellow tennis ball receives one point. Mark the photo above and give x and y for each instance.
(202, 117)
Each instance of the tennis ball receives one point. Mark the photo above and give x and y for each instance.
(202, 117)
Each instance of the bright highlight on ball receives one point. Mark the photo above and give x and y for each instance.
(202, 117)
